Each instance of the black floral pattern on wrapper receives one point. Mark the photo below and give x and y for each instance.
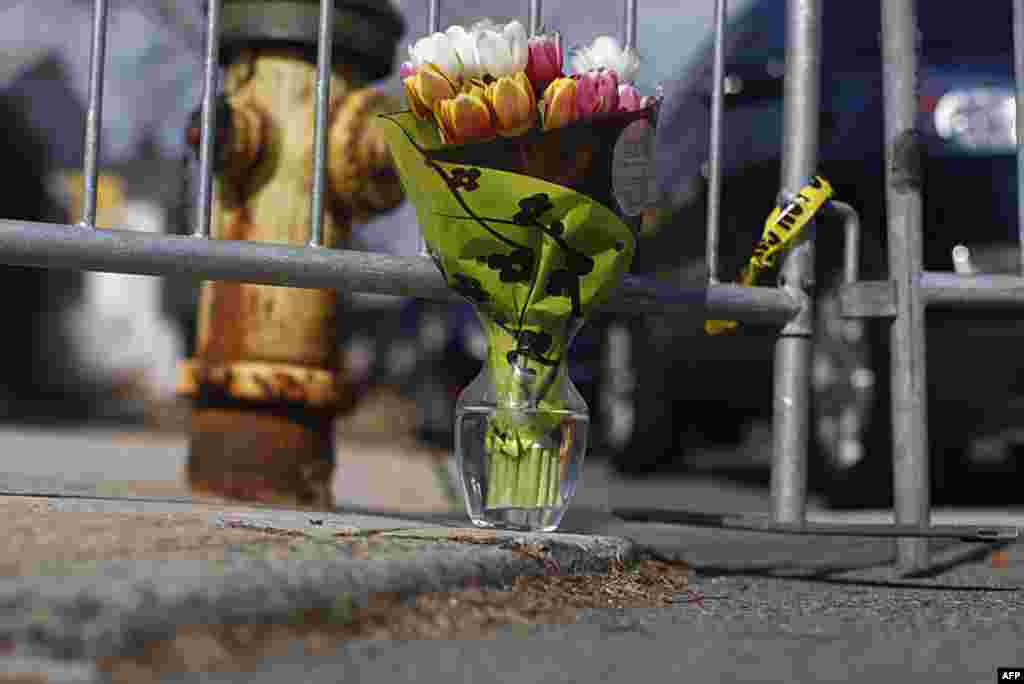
(470, 288)
(531, 208)
(532, 345)
(514, 267)
(464, 179)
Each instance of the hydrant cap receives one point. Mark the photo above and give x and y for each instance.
(366, 32)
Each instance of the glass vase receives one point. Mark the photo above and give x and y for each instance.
(519, 443)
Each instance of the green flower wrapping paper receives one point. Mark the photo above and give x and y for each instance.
(526, 229)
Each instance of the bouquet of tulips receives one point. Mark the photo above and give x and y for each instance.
(508, 162)
(490, 80)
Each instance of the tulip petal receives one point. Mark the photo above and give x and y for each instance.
(494, 53)
(544, 63)
(517, 40)
(560, 103)
(416, 103)
(464, 44)
(607, 53)
(581, 61)
(514, 104)
(437, 49)
(629, 98)
(426, 87)
(464, 118)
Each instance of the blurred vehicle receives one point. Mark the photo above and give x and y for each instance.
(694, 389)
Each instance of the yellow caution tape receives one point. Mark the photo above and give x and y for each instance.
(781, 230)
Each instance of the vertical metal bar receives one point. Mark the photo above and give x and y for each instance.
(433, 16)
(208, 125)
(904, 209)
(791, 416)
(630, 27)
(433, 26)
(715, 153)
(851, 241)
(323, 100)
(535, 17)
(1018, 74)
(94, 115)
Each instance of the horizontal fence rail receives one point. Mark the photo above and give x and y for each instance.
(50, 245)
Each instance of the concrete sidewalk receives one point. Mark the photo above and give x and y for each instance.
(85, 578)
(93, 567)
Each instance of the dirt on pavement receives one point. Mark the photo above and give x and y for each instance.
(469, 614)
(39, 540)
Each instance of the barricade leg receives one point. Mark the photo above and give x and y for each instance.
(793, 350)
(904, 209)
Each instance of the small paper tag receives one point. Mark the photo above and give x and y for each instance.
(632, 176)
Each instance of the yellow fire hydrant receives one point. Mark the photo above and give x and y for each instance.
(266, 380)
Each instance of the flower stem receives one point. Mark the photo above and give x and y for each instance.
(555, 481)
(544, 473)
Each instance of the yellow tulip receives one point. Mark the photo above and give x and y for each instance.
(559, 103)
(514, 104)
(464, 118)
(475, 87)
(428, 86)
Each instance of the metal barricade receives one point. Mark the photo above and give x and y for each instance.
(903, 298)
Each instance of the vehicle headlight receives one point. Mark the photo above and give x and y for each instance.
(978, 119)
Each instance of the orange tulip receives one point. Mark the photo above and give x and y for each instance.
(514, 105)
(559, 103)
(426, 88)
(464, 118)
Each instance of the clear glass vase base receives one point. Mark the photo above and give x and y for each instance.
(544, 519)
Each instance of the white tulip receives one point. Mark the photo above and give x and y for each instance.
(464, 44)
(438, 50)
(606, 53)
(504, 53)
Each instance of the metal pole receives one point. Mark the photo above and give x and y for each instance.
(433, 26)
(535, 17)
(433, 16)
(793, 350)
(323, 99)
(208, 121)
(94, 115)
(630, 28)
(715, 153)
(1018, 74)
(851, 240)
(904, 208)
(759, 523)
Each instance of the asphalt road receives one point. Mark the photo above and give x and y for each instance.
(747, 628)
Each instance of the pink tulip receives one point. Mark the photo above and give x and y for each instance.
(406, 70)
(597, 92)
(544, 63)
(629, 98)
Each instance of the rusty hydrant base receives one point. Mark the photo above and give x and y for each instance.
(262, 455)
